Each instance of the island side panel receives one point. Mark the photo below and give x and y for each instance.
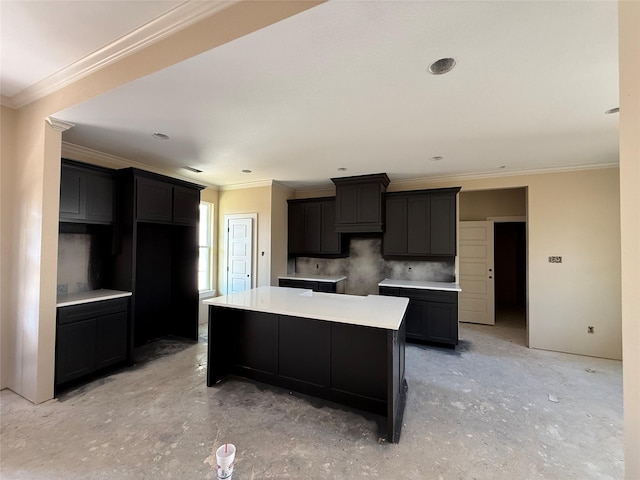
(218, 345)
(397, 385)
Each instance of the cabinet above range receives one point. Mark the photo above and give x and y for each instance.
(360, 203)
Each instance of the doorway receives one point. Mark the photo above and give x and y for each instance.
(510, 251)
(504, 213)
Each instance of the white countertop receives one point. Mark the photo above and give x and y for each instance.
(370, 311)
(313, 278)
(90, 296)
(445, 286)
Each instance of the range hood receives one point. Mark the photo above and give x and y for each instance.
(360, 203)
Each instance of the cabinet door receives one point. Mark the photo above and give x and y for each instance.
(312, 227)
(254, 341)
(73, 194)
(111, 339)
(154, 200)
(186, 205)
(442, 323)
(418, 225)
(296, 228)
(328, 287)
(417, 320)
(443, 224)
(330, 242)
(369, 198)
(347, 204)
(304, 350)
(394, 241)
(75, 350)
(99, 198)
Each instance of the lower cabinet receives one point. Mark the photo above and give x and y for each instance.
(432, 315)
(327, 287)
(90, 337)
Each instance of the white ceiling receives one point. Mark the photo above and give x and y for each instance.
(345, 84)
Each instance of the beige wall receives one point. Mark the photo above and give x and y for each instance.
(7, 167)
(629, 18)
(279, 229)
(507, 202)
(245, 201)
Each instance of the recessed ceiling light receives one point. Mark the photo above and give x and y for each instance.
(246, 171)
(160, 136)
(437, 158)
(612, 110)
(191, 169)
(342, 169)
(444, 65)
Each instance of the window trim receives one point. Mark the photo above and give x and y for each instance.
(210, 239)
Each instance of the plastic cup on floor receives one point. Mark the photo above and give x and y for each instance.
(225, 456)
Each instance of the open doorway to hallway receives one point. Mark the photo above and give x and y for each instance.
(510, 252)
(507, 210)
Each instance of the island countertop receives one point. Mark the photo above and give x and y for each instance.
(370, 311)
(419, 284)
(313, 278)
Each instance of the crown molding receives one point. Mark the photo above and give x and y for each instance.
(417, 183)
(240, 186)
(176, 19)
(59, 125)
(95, 157)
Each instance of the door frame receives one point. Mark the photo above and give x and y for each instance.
(254, 247)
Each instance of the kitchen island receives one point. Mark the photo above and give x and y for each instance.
(343, 348)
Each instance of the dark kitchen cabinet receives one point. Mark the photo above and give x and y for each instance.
(86, 193)
(90, 337)
(432, 315)
(316, 286)
(421, 223)
(311, 225)
(157, 258)
(360, 203)
(162, 201)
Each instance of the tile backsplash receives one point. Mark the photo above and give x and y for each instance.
(365, 267)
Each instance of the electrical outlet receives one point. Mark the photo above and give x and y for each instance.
(555, 259)
(590, 329)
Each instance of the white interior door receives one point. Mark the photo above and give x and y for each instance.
(239, 254)
(476, 302)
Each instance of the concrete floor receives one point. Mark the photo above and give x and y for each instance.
(491, 409)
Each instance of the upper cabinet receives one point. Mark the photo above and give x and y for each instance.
(165, 200)
(421, 223)
(86, 193)
(360, 203)
(312, 227)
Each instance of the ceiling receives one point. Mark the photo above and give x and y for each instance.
(346, 85)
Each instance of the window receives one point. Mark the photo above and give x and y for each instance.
(205, 257)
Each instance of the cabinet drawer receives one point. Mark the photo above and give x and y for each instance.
(77, 313)
(429, 295)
